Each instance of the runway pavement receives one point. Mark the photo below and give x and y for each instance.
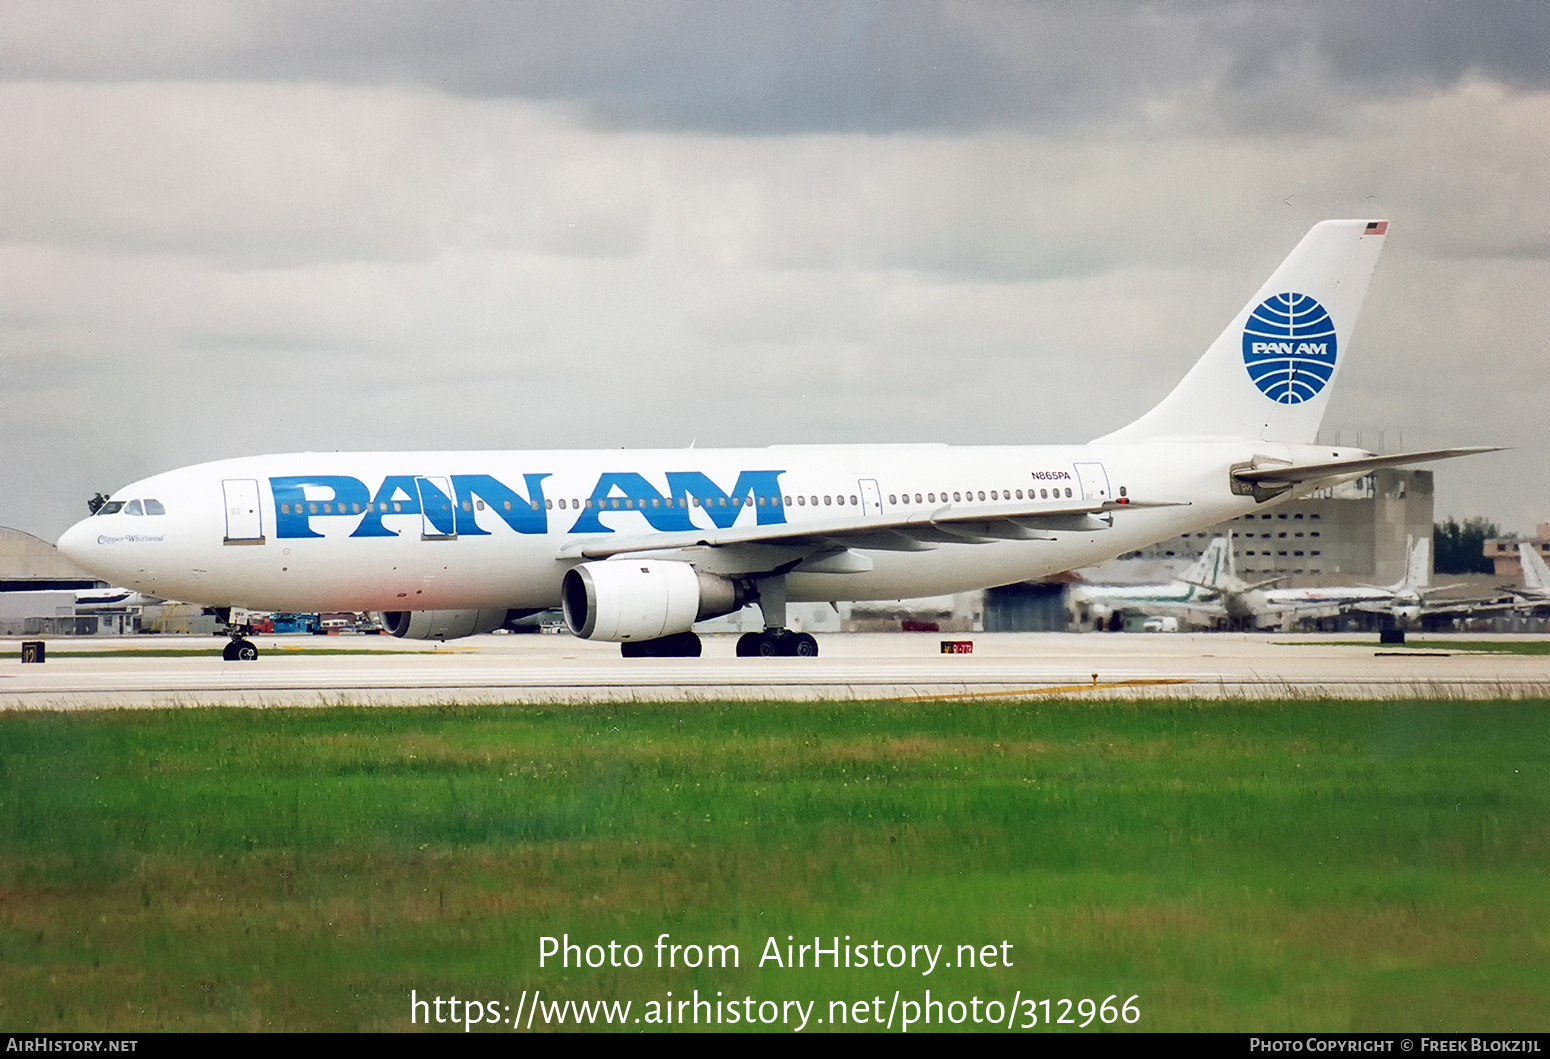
(296, 671)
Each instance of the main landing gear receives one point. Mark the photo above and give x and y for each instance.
(777, 643)
(679, 645)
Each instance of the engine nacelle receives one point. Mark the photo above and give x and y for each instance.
(643, 599)
(441, 624)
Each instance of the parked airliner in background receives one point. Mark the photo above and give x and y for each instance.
(1210, 593)
(1405, 600)
(1536, 577)
(635, 546)
(1194, 597)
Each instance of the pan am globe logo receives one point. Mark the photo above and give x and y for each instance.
(1289, 348)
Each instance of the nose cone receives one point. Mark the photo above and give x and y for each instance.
(79, 545)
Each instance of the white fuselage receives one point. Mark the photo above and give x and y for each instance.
(364, 532)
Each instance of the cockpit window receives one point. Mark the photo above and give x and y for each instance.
(133, 508)
(112, 507)
(154, 507)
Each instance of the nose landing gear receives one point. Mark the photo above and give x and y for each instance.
(239, 650)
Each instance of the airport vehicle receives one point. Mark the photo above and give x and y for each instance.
(635, 546)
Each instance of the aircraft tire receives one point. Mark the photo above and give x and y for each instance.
(804, 646)
(678, 645)
(239, 651)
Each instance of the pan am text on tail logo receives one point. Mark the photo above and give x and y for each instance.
(1289, 347)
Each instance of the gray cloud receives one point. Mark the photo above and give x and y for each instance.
(783, 67)
(230, 229)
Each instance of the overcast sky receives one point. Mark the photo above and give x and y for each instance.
(257, 227)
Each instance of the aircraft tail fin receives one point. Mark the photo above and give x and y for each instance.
(1269, 375)
(1535, 574)
(1418, 567)
(1213, 568)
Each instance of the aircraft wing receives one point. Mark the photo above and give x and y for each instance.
(828, 542)
(1294, 474)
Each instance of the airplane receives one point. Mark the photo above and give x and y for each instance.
(1536, 576)
(636, 546)
(1193, 596)
(1209, 593)
(1405, 601)
(96, 600)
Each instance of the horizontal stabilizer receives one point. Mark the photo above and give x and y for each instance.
(1312, 472)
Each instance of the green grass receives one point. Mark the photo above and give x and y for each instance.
(1291, 866)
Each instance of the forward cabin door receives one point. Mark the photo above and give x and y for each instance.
(439, 521)
(871, 497)
(244, 523)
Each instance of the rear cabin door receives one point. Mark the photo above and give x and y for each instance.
(244, 523)
(1095, 482)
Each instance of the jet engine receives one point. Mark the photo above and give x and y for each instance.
(441, 624)
(643, 599)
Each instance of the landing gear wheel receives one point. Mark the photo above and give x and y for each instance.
(678, 645)
(239, 650)
(759, 645)
(777, 643)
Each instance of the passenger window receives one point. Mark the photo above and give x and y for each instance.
(892, 499)
(723, 502)
(1043, 494)
(1122, 491)
(285, 509)
(801, 501)
(508, 505)
(548, 505)
(737, 501)
(982, 494)
(467, 506)
(853, 501)
(1068, 491)
(957, 496)
(827, 501)
(815, 501)
(312, 509)
(562, 505)
(478, 505)
(931, 497)
(153, 507)
(398, 507)
(535, 505)
(993, 495)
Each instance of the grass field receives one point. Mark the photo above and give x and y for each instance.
(1294, 866)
